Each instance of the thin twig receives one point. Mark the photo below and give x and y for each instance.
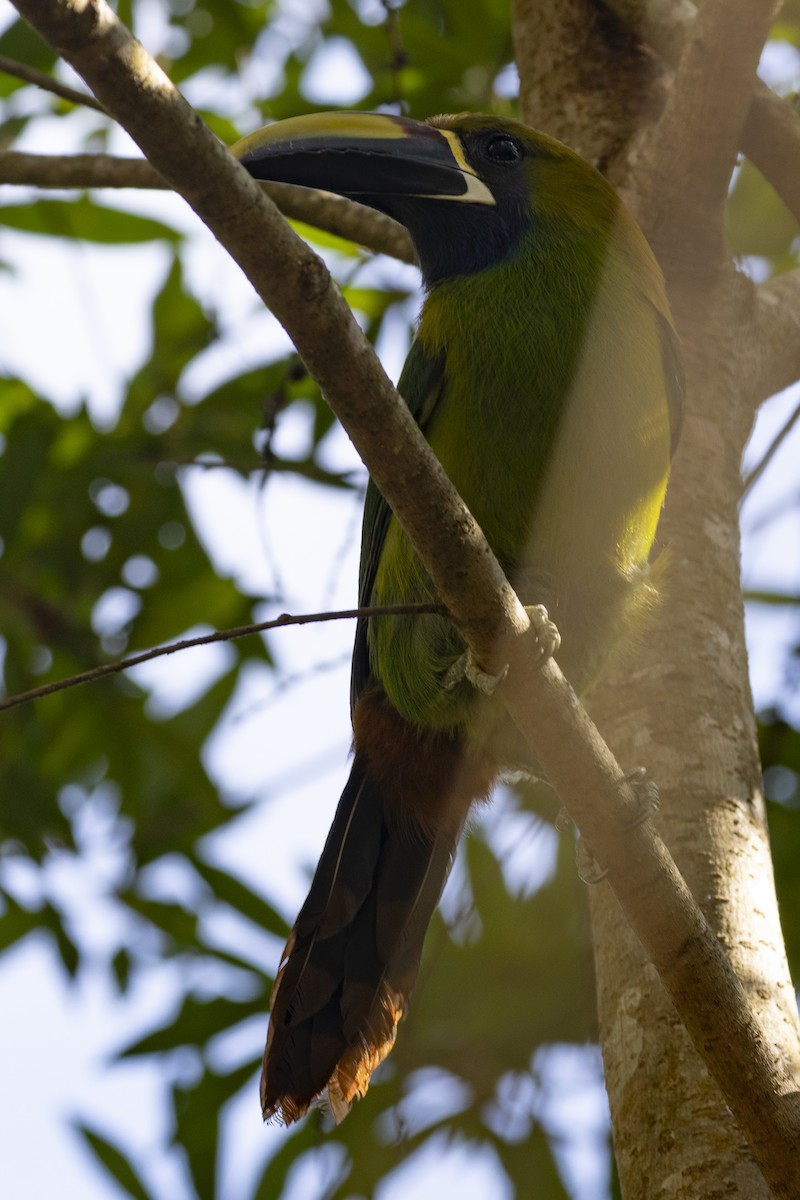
(777, 599)
(399, 57)
(780, 437)
(20, 70)
(220, 635)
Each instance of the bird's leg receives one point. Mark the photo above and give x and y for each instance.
(465, 667)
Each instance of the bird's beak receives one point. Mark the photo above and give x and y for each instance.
(365, 156)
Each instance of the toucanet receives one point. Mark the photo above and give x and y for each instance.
(546, 376)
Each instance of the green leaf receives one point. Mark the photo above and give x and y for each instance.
(197, 1022)
(121, 966)
(15, 922)
(231, 891)
(304, 1138)
(198, 1118)
(780, 755)
(531, 1166)
(326, 241)
(21, 42)
(758, 222)
(533, 958)
(86, 221)
(177, 922)
(118, 1166)
(68, 951)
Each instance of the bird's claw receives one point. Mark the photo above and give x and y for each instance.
(563, 820)
(648, 802)
(645, 790)
(466, 667)
(546, 631)
(589, 870)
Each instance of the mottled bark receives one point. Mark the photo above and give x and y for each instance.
(681, 704)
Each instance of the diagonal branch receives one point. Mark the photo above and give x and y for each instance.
(40, 79)
(656, 901)
(344, 218)
(693, 149)
(771, 134)
(771, 140)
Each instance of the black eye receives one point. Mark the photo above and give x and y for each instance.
(503, 149)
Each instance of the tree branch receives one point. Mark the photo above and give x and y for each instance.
(292, 281)
(20, 70)
(771, 134)
(209, 639)
(581, 50)
(771, 140)
(77, 171)
(690, 157)
(334, 214)
(758, 470)
(777, 327)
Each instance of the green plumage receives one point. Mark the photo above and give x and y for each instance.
(546, 377)
(540, 383)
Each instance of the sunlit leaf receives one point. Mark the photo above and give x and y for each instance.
(84, 220)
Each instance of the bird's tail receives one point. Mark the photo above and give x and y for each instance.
(352, 958)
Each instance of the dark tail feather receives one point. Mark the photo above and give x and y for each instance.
(353, 955)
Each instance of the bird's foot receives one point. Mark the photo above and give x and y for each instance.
(645, 790)
(589, 870)
(465, 667)
(648, 802)
(563, 820)
(545, 630)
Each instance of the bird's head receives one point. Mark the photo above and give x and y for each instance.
(468, 188)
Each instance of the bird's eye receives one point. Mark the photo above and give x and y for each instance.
(503, 149)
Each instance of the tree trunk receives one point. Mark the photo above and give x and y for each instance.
(680, 702)
(684, 709)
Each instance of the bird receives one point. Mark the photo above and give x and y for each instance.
(545, 373)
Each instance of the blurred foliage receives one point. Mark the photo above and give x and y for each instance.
(100, 557)
(779, 742)
(759, 224)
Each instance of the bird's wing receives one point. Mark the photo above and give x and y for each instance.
(673, 376)
(420, 385)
